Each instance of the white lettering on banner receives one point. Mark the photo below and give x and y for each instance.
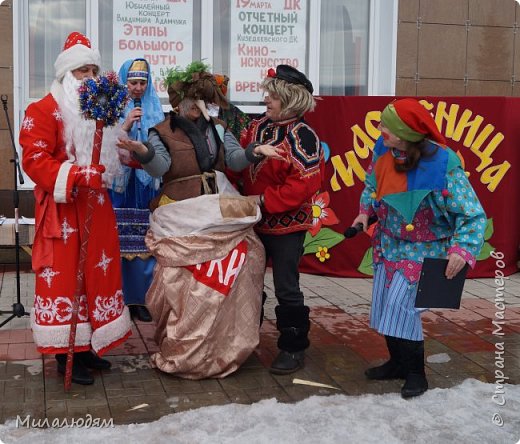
(214, 264)
(264, 35)
(160, 31)
(232, 268)
(220, 274)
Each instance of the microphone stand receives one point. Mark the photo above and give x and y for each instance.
(18, 309)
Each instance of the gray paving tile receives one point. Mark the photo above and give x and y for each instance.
(134, 392)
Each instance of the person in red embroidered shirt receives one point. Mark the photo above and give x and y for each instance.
(56, 154)
(284, 189)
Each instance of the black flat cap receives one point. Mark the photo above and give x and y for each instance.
(292, 75)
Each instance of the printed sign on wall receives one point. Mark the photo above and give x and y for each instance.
(264, 34)
(158, 30)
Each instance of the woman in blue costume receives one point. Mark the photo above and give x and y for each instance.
(133, 191)
(426, 207)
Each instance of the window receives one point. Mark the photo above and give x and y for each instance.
(344, 42)
(49, 22)
(346, 47)
(329, 40)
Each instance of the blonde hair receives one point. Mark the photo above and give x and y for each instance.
(295, 99)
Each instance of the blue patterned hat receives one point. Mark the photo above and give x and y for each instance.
(138, 70)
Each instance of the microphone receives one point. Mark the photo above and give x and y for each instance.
(137, 104)
(352, 231)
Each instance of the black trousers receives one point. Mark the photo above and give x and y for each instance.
(285, 252)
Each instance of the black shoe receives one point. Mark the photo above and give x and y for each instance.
(80, 374)
(92, 361)
(140, 312)
(287, 362)
(389, 370)
(415, 385)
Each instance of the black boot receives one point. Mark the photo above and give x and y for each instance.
(92, 361)
(293, 324)
(140, 312)
(80, 374)
(264, 297)
(392, 368)
(287, 362)
(412, 358)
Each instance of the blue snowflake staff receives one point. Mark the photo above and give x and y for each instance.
(102, 99)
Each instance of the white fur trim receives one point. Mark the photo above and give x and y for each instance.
(110, 155)
(75, 57)
(57, 336)
(60, 186)
(56, 91)
(112, 332)
(79, 133)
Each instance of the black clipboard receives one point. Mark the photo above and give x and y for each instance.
(435, 290)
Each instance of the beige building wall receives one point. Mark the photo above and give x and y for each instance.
(458, 48)
(6, 87)
(25, 205)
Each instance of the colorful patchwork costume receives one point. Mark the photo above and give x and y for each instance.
(430, 211)
(426, 207)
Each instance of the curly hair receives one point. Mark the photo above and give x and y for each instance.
(295, 99)
(415, 151)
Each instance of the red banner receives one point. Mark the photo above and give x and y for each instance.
(483, 131)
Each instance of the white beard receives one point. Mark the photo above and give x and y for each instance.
(79, 132)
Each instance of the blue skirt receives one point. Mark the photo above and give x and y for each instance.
(393, 312)
(137, 277)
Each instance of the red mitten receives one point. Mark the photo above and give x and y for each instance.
(89, 176)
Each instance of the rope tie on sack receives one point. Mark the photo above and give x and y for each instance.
(205, 180)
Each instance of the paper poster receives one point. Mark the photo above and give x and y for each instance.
(158, 30)
(264, 34)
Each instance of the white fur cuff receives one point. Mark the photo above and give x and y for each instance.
(112, 332)
(60, 187)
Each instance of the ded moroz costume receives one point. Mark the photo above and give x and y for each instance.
(57, 150)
